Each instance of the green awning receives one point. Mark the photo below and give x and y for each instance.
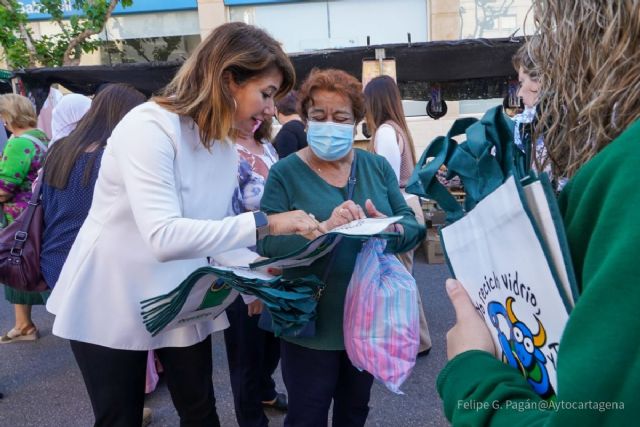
(5, 75)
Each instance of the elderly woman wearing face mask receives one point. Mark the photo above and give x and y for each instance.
(316, 369)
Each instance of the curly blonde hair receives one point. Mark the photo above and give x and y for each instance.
(523, 59)
(588, 57)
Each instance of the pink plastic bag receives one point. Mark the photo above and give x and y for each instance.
(152, 373)
(381, 323)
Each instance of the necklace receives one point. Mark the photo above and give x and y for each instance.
(310, 162)
(317, 169)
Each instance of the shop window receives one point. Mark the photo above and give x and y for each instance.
(303, 26)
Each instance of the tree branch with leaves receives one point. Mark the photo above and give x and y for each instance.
(22, 49)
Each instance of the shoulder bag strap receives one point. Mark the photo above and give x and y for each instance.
(351, 185)
(21, 235)
(35, 141)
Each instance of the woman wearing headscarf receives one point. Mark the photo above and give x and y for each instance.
(67, 113)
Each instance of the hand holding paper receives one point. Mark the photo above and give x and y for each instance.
(373, 212)
(319, 247)
(343, 214)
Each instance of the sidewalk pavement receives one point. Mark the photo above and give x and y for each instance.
(42, 385)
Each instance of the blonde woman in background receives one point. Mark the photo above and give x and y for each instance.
(22, 157)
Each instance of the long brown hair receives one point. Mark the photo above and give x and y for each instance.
(588, 58)
(107, 109)
(383, 103)
(201, 90)
(263, 133)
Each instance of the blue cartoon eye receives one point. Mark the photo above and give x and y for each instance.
(528, 345)
(517, 334)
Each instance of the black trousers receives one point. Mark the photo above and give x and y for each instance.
(316, 377)
(253, 354)
(115, 381)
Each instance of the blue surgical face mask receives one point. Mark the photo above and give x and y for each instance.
(330, 141)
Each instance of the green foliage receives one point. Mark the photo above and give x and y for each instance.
(17, 53)
(22, 49)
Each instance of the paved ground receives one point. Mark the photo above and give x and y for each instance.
(43, 387)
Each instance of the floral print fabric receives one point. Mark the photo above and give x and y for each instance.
(252, 174)
(19, 165)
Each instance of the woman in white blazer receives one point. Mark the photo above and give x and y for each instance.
(161, 206)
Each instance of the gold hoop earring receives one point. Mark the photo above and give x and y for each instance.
(235, 105)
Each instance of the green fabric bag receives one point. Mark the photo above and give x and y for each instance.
(506, 245)
(483, 162)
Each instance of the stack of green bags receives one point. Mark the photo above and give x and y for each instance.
(209, 290)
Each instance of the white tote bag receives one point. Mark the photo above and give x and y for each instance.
(496, 252)
(507, 246)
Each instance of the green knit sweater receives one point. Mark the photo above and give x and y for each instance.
(293, 185)
(599, 355)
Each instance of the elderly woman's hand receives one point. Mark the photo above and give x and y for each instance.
(470, 332)
(344, 214)
(375, 213)
(295, 222)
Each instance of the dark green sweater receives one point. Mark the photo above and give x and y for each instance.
(293, 185)
(599, 355)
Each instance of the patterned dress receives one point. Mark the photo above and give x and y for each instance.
(19, 165)
(252, 174)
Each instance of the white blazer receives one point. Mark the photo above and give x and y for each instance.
(160, 207)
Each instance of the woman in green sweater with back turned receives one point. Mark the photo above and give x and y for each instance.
(316, 369)
(20, 161)
(589, 64)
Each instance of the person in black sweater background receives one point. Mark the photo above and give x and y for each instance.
(292, 136)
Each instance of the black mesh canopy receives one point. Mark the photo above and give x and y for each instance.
(464, 69)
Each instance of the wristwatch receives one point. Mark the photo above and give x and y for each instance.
(262, 225)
